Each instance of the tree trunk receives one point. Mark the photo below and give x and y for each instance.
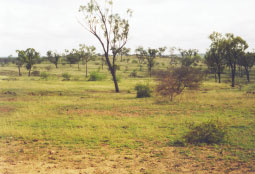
(219, 76)
(86, 69)
(247, 74)
(115, 81)
(233, 73)
(29, 72)
(56, 65)
(215, 77)
(19, 71)
(113, 72)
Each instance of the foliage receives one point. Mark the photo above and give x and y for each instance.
(189, 57)
(143, 91)
(66, 76)
(173, 81)
(210, 132)
(30, 57)
(133, 73)
(44, 75)
(96, 76)
(53, 58)
(35, 73)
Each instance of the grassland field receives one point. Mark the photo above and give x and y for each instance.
(80, 126)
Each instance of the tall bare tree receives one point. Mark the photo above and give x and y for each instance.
(109, 28)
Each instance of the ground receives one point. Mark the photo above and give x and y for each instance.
(77, 126)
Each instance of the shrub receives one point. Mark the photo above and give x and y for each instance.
(35, 73)
(211, 132)
(133, 74)
(48, 68)
(66, 76)
(95, 76)
(44, 75)
(134, 61)
(173, 81)
(142, 91)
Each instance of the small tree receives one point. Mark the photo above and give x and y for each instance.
(247, 61)
(110, 30)
(20, 60)
(124, 52)
(161, 51)
(141, 55)
(72, 57)
(151, 55)
(30, 57)
(53, 58)
(173, 81)
(189, 57)
(87, 53)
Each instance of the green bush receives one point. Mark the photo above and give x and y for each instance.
(133, 74)
(210, 132)
(95, 76)
(134, 61)
(142, 91)
(35, 73)
(66, 76)
(44, 75)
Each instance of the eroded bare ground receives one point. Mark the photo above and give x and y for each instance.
(20, 157)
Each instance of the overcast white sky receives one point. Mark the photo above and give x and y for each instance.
(52, 24)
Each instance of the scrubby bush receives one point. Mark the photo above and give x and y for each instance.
(96, 76)
(142, 91)
(173, 81)
(133, 74)
(35, 73)
(134, 61)
(210, 132)
(48, 68)
(66, 76)
(44, 75)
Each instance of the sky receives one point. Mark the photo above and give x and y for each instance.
(53, 24)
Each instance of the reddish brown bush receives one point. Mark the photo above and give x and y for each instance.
(173, 81)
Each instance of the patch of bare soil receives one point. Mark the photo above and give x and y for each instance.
(25, 158)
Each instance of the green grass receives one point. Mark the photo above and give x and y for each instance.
(90, 114)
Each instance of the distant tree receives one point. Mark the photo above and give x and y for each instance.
(30, 57)
(189, 57)
(53, 58)
(214, 57)
(234, 48)
(161, 51)
(72, 57)
(247, 61)
(87, 53)
(124, 52)
(173, 81)
(151, 56)
(20, 60)
(114, 30)
(141, 55)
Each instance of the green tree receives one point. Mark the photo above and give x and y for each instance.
(124, 52)
(30, 57)
(151, 56)
(87, 53)
(234, 48)
(53, 58)
(141, 55)
(214, 57)
(20, 60)
(72, 57)
(189, 57)
(110, 30)
(247, 61)
(161, 51)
